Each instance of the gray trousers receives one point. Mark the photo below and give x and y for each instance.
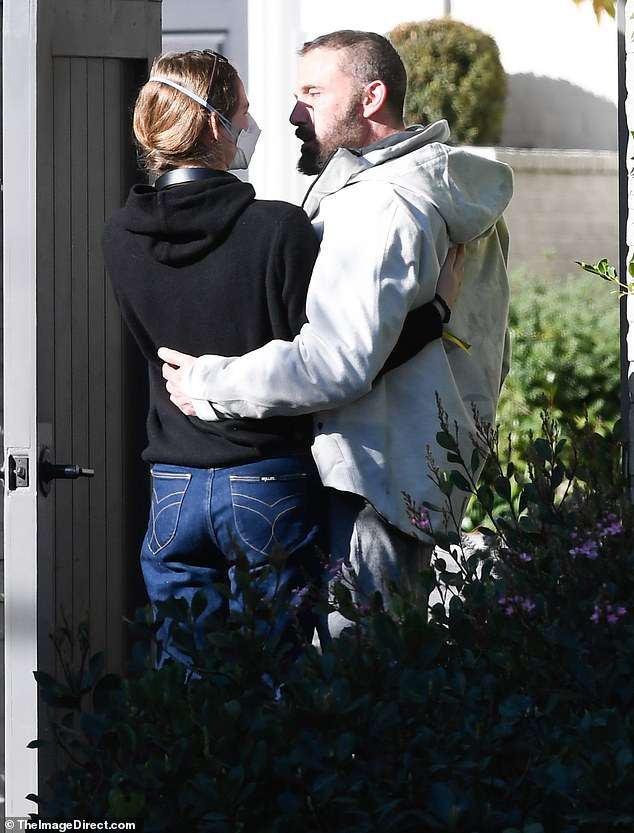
(371, 552)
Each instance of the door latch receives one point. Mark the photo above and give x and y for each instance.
(18, 474)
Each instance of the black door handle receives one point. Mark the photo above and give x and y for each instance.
(63, 471)
(48, 471)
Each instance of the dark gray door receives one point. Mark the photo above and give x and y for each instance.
(73, 381)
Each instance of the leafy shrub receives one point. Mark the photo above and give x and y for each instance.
(565, 339)
(565, 360)
(506, 707)
(454, 73)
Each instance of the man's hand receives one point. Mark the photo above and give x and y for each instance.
(451, 275)
(174, 367)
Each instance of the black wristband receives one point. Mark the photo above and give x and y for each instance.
(445, 307)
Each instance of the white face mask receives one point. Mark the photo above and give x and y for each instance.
(245, 139)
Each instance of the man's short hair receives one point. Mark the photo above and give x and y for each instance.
(370, 57)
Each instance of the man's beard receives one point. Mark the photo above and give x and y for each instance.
(346, 131)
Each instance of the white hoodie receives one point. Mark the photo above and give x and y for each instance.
(386, 219)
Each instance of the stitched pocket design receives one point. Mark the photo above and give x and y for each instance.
(271, 510)
(168, 492)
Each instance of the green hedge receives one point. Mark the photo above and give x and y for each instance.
(506, 706)
(565, 360)
(565, 348)
(454, 73)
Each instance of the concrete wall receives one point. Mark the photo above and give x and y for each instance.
(565, 208)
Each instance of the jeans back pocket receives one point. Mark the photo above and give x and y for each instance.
(168, 492)
(274, 510)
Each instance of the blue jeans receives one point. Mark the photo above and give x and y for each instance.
(200, 517)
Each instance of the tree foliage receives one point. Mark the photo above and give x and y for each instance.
(454, 73)
(600, 6)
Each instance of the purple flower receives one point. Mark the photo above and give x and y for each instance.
(589, 549)
(512, 604)
(507, 604)
(525, 556)
(420, 519)
(610, 525)
(611, 613)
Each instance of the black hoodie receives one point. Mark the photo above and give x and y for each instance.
(204, 267)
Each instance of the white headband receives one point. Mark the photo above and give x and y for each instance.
(184, 90)
(161, 80)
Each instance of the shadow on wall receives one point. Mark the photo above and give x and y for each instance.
(551, 113)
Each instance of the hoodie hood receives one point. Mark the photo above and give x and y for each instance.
(468, 190)
(182, 224)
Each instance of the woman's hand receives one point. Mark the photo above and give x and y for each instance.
(174, 367)
(451, 275)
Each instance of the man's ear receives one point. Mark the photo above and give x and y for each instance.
(374, 98)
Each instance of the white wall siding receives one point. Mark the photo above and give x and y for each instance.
(274, 38)
(208, 24)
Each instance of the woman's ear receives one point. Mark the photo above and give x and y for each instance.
(214, 127)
